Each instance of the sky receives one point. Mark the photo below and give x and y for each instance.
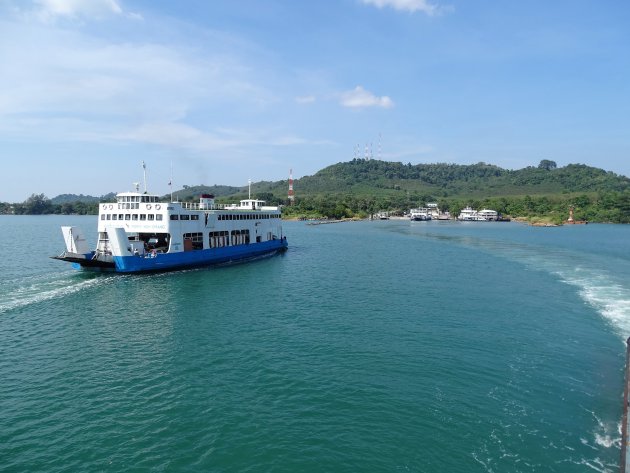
(219, 92)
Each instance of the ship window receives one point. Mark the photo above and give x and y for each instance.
(143, 216)
(174, 217)
(150, 217)
(158, 217)
(102, 216)
(196, 240)
(194, 217)
(134, 217)
(127, 216)
(109, 216)
(219, 239)
(184, 217)
(114, 216)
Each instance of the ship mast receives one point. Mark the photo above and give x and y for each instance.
(144, 173)
(170, 182)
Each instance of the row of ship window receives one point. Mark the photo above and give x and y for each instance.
(186, 217)
(131, 216)
(139, 198)
(247, 216)
(217, 239)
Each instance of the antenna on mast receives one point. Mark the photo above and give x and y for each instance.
(170, 181)
(291, 196)
(144, 173)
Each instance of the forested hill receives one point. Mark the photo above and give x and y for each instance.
(454, 180)
(361, 187)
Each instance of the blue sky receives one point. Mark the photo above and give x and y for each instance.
(232, 90)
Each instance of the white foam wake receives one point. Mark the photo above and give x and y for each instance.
(33, 290)
(604, 292)
(601, 288)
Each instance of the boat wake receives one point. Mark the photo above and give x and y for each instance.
(35, 289)
(608, 296)
(604, 289)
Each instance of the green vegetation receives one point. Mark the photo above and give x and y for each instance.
(360, 187)
(39, 204)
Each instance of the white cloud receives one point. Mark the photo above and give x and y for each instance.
(67, 74)
(187, 137)
(359, 97)
(406, 5)
(305, 99)
(176, 135)
(50, 10)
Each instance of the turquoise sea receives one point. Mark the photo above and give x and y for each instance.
(386, 346)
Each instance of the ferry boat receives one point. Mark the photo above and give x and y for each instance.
(139, 233)
(419, 215)
(489, 215)
(469, 215)
(485, 215)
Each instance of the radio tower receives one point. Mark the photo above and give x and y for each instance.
(291, 196)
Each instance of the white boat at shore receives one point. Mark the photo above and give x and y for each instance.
(419, 215)
(469, 214)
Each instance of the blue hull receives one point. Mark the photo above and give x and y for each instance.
(189, 259)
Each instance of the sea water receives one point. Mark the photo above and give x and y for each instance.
(367, 346)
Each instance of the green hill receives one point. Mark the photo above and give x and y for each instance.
(361, 187)
(87, 199)
(454, 180)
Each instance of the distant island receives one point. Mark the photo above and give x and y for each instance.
(540, 194)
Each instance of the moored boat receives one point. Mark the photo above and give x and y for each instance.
(139, 233)
(419, 215)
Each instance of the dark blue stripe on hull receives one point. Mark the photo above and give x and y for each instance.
(190, 259)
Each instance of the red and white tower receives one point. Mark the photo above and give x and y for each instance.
(291, 196)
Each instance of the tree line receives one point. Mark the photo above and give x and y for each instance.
(360, 188)
(610, 207)
(39, 204)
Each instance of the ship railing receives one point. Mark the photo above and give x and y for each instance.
(199, 206)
